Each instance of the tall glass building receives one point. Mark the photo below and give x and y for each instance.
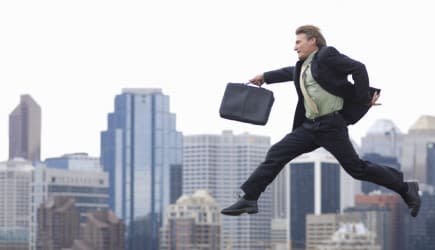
(317, 185)
(430, 164)
(138, 149)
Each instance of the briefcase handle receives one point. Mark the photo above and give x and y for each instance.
(247, 83)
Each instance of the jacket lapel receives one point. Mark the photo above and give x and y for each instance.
(296, 81)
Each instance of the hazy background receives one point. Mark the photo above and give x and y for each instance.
(73, 57)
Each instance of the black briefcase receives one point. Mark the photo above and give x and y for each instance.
(246, 103)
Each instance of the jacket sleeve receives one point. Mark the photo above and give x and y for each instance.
(345, 65)
(279, 75)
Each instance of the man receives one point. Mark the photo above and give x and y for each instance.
(327, 103)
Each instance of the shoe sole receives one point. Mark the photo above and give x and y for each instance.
(239, 212)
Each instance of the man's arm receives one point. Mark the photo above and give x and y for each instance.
(279, 75)
(343, 64)
(274, 76)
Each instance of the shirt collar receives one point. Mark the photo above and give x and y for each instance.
(310, 58)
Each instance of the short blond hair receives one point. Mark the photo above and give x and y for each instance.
(312, 31)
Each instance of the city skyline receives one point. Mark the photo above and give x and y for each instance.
(238, 129)
(74, 66)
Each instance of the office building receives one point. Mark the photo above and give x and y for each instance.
(193, 222)
(25, 130)
(351, 236)
(317, 185)
(419, 232)
(415, 143)
(58, 224)
(279, 195)
(176, 180)
(103, 230)
(398, 213)
(75, 161)
(138, 148)
(279, 226)
(15, 187)
(321, 227)
(90, 190)
(430, 163)
(220, 164)
(377, 220)
(383, 138)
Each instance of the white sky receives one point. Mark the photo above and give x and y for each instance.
(73, 57)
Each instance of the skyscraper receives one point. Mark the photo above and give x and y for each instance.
(220, 164)
(25, 130)
(430, 162)
(317, 185)
(414, 155)
(176, 174)
(383, 138)
(377, 220)
(279, 223)
(419, 232)
(15, 186)
(138, 149)
(395, 204)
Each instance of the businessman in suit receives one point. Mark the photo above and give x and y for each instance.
(327, 104)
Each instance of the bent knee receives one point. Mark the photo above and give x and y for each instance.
(356, 169)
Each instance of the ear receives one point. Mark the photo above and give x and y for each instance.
(313, 41)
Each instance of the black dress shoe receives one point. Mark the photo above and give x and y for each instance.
(412, 198)
(240, 207)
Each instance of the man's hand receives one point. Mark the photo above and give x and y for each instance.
(257, 80)
(375, 98)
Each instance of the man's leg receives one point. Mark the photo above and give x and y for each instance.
(296, 143)
(333, 136)
(292, 145)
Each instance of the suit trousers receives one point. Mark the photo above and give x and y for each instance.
(331, 133)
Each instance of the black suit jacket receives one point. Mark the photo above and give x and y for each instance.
(330, 69)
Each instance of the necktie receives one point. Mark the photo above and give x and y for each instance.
(310, 103)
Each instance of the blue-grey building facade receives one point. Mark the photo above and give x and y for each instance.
(430, 162)
(138, 149)
(317, 185)
(419, 232)
(75, 161)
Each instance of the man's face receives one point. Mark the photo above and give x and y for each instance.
(304, 47)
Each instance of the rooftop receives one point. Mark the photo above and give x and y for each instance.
(425, 122)
(383, 126)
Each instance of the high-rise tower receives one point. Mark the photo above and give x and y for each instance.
(138, 149)
(25, 130)
(317, 185)
(220, 164)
